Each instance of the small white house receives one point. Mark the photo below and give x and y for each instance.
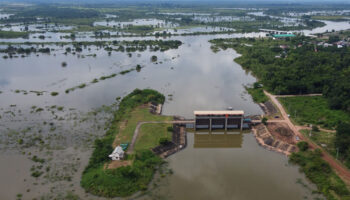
(117, 154)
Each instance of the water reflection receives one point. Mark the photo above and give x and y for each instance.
(217, 139)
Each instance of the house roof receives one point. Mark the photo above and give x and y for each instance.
(283, 35)
(118, 150)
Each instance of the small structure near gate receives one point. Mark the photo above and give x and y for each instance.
(117, 154)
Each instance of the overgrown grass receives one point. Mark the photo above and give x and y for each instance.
(132, 119)
(320, 173)
(122, 181)
(313, 110)
(257, 94)
(325, 139)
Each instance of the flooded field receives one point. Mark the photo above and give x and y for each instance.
(47, 133)
(50, 36)
(50, 136)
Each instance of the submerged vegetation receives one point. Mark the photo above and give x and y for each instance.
(119, 46)
(13, 34)
(83, 85)
(126, 180)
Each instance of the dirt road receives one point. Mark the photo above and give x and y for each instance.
(340, 169)
(301, 95)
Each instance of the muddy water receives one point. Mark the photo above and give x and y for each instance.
(242, 171)
(193, 76)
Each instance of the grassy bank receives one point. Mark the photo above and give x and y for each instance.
(127, 180)
(320, 173)
(313, 110)
(257, 94)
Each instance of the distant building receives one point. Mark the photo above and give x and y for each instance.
(280, 36)
(117, 154)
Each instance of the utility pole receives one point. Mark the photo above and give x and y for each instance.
(310, 134)
(337, 153)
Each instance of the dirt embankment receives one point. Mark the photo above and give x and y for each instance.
(280, 138)
(281, 131)
(268, 108)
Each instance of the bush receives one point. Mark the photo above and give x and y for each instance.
(54, 93)
(170, 129)
(264, 120)
(154, 58)
(303, 146)
(163, 141)
(315, 128)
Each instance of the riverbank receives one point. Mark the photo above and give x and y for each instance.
(124, 180)
(151, 139)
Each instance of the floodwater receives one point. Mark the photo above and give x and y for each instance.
(192, 77)
(89, 36)
(230, 166)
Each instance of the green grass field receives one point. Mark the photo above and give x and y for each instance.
(149, 133)
(313, 110)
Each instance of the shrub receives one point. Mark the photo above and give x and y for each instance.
(170, 129)
(54, 93)
(163, 141)
(154, 58)
(303, 146)
(315, 128)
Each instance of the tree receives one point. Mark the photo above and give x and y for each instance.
(303, 146)
(342, 139)
(154, 58)
(264, 120)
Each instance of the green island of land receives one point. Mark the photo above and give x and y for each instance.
(100, 176)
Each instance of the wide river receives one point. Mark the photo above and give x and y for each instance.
(192, 77)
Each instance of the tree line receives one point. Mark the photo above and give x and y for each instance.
(296, 66)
